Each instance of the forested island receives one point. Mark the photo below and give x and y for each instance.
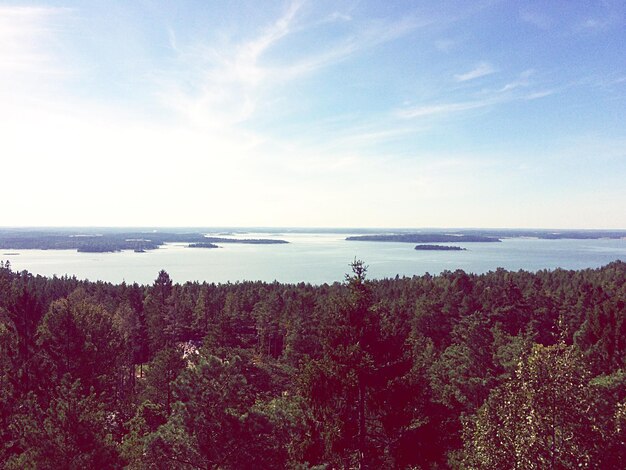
(500, 370)
(486, 235)
(109, 240)
(544, 234)
(438, 248)
(423, 238)
(248, 241)
(202, 245)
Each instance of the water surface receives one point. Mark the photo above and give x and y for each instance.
(314, 258)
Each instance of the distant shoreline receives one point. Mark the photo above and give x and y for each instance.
(110, 241)
(424, 238)
(439, 248)
(202, 245)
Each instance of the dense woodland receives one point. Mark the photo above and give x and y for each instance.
(500, 370)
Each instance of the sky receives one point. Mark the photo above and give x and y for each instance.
(313, 113)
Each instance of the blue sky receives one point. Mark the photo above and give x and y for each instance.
(313, 113)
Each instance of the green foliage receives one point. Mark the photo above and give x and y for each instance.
(80, 338)
(161, 373)
(465, 372)
(72, 432)
(213, 423)
(540, 418)
(146, 421)
(603, 333)
(455, 370)
(8, 403)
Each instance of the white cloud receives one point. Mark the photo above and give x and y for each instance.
(508, 93)
(337, 16)
(442, 109)
(445, 45)
(27, 43)
(522, 81)
(203, 159)
(223, 86)
(218, 86)
(539, 94)
(535, 18)
(89, 159)
(599, 24)
(482, 69)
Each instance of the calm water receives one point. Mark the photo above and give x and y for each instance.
(314, 258)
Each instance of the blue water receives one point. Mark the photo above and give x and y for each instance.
(316, 258)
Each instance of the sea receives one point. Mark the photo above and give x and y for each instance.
(315, 258)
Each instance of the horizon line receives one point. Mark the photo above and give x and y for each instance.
(295, 227)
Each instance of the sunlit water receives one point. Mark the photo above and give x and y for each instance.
(314, 258)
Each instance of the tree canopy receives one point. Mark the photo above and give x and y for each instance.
(499, 370)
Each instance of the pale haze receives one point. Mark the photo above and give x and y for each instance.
(326, 114)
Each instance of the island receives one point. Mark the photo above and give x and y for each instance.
(483, 235)
(545, 234)
(202, 245)
(105, 240)
(248, 241)
(424, 238)
(439, 248)
(95, 248)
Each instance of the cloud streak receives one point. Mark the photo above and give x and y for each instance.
(443, 109)
(510, 92)
(225, 85)
(536, 18)
(24, 35)
(522, 81)
(286, 117)
(481, 70)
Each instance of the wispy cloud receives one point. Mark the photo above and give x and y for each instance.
(445, 45)
(601, 21)
(26, 40)
(594, 24)
(536, 18)
(246, 64)
(517, 90)
(282, 117)
(363, 38)
(337, 16)
(522, 81)
(442, 109)
(364, 138)
(539, 94)
(480, 70)
(218, 86)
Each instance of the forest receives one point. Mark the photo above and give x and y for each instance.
(505, 370)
